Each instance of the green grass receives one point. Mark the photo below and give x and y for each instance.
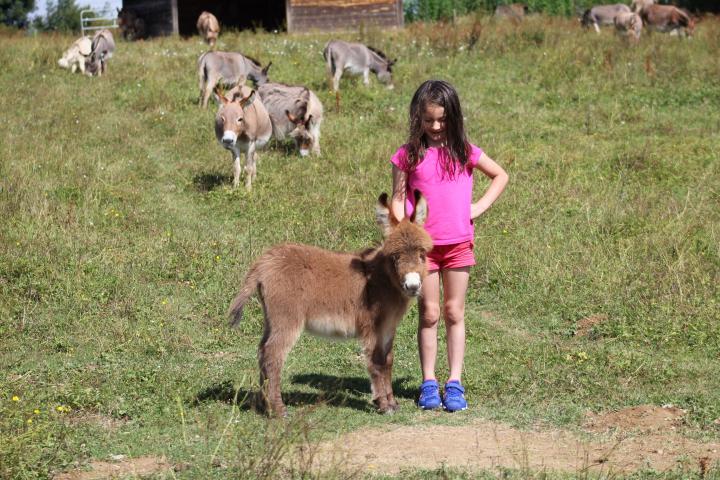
(122, 244)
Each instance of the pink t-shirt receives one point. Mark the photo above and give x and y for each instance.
(448, 196)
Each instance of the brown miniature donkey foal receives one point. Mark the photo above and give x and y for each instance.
(338, 295)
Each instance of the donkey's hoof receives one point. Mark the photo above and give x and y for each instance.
(389, 409)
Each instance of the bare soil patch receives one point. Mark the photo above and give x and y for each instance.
(640, 441)
(126, 467)
(585, 325)
(103, 421)
(641, 418)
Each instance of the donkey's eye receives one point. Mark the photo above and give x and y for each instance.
(239, 120)
(222, 118)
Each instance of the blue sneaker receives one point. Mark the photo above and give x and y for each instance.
(429, 395)
(454, 397)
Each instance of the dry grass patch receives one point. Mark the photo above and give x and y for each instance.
(126, 467)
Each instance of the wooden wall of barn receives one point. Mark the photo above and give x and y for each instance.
(305, 15)
(159, 15)
(165, 17)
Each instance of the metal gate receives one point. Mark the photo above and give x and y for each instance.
(97, 20)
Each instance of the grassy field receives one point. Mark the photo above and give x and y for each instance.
(122, 243)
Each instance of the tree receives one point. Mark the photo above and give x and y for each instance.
(15, 12)
(63, 15)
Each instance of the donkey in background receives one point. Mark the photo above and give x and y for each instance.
(242, 125)
(103, 47)
(295, 112)
(357, 59)
(602, 15)
(208, 28)
(228, 69)
(338, 295)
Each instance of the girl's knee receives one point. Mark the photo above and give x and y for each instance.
(429, 316)
(454, 314)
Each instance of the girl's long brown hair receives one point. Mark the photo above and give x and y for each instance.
(454, 156)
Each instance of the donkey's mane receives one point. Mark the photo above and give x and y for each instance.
(369, 252)
(253, 60)
(379, 53)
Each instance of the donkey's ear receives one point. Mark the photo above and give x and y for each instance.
(265, 70)
(220, 97)
(421, 209)
(246, 101)
(384, 216)
(290, 116)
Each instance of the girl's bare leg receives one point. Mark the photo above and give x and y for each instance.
(429, 306)
(455, 284)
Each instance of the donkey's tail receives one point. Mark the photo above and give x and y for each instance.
(329, 60)
(249, 287)
(202, 71)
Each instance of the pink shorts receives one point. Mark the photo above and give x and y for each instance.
(456, 255)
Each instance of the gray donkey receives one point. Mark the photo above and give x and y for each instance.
(103, 47)
(295, 112)
(602, 15)
(357, 59)
(228, 69)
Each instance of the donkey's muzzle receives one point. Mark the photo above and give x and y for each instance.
(412, 284)
(228, 139)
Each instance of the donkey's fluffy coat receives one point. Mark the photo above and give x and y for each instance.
(340, 295)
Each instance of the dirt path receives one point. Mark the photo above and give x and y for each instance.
(644, 437)
(636, 438)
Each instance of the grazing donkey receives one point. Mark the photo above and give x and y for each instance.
(667, 18)
(242, 125)
(295, 112)
(103, 47)
(74, 57)
(629, 25)
(602, 15)
(208, 27)
(338, 295)
(357, 59)
(228, 68)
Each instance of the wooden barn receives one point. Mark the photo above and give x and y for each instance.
(165, 17)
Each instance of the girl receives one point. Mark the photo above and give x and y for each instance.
(439, 161)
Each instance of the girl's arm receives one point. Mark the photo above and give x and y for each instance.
(397, 203)
(499, 179)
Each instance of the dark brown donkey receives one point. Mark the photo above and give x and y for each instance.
(338, 295)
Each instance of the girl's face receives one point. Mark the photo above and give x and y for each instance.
(433, 123)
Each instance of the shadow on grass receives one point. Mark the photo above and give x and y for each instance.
(207, 182)
(351, 392)
(350, 385)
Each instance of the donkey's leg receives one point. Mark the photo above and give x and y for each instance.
(278, 339)
(380, 373)
(336, 79)
(250, 165)
(207, 91)
(392, 403)
(236, 169)
(366, 77)
(315, 132)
